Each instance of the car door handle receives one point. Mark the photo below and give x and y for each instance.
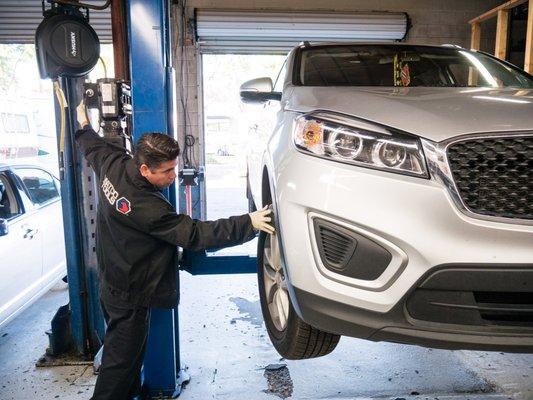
(30, 233)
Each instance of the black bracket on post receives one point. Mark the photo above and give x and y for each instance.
(112, 99)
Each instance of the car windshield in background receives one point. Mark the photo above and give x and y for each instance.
(405, 66)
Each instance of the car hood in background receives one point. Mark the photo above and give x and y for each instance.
(433, 113)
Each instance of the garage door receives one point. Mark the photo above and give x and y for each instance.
(278, 31)
(19, 20)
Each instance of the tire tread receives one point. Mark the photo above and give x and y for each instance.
(310, 342)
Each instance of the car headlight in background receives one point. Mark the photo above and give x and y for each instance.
(356, 142)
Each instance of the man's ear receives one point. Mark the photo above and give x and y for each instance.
(144, 170)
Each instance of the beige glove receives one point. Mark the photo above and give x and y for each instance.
(260, 220)
(81, 115)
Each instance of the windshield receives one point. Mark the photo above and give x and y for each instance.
(394, 65)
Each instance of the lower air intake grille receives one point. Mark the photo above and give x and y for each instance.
(349, 253)
(337, 248)
(487, 296)
(506, 308)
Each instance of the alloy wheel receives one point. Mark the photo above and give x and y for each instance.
(276, 293)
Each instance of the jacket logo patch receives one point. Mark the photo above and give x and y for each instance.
(123, 206)
(109, 191)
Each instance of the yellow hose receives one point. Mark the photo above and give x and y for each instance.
(61, 100)
(105, 67)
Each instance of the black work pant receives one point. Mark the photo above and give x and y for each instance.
(123, 354)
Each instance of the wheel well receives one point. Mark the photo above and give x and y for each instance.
(265, 189)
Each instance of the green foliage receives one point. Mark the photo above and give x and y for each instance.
(10, 57)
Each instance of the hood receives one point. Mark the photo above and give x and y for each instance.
(432, 113)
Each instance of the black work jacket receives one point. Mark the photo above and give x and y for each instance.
(137, 229)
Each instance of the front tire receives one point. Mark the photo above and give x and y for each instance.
(291, 336)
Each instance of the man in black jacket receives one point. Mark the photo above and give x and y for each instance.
(137, 232)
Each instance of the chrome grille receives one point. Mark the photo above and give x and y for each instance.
(494, 175)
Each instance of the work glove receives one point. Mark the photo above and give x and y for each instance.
(260, 220)
(81, 115)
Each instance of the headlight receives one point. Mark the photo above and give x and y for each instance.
(359, 143)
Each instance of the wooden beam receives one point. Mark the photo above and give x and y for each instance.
(494, 12)
(528, 60)
(502, 29)
(475, 41)
(475, 45)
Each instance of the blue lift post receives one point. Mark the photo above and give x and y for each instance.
(85, 325)
(152, 89)
(151, 71)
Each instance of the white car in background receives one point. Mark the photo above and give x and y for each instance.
(401, 179)
(18, 134)
(32, 249)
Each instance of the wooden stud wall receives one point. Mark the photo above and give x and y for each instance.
(494, 12)
(528, 62)
(502, 31)
(475, 42)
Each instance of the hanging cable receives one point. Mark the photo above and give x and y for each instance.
(189, 158)
(103, 65)
(188, 151)
(62, 104)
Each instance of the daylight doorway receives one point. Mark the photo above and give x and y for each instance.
(227, 130)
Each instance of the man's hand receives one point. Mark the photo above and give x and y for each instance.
(81, 115)
(260, 220)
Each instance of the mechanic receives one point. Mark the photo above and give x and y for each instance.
(137, 232)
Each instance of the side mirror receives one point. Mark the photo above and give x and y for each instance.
(258, 91)
(3, 227)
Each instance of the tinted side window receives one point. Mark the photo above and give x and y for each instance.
(39, 185)
(9, 206)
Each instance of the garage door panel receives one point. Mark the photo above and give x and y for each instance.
(220, 31)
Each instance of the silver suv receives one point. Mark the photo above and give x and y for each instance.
(402, 187)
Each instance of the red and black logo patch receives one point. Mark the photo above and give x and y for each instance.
(123, 206)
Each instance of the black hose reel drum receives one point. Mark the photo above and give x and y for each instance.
(65, 43)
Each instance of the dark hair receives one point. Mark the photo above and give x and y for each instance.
(155, 148)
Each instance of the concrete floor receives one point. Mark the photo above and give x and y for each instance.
(226, 348)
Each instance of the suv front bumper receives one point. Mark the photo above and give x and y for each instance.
(417, 222)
